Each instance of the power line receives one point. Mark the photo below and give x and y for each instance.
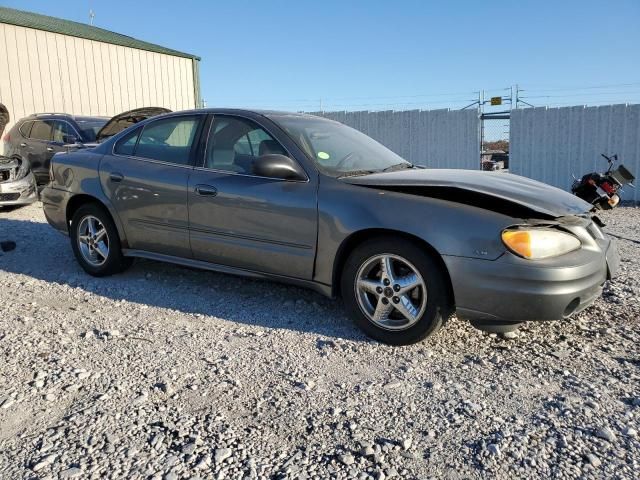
(591, 87)
(330, 99)
(582, 94)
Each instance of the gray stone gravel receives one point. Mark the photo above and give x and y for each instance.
(169, 373)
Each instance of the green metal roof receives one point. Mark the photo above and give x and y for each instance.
(75, 29)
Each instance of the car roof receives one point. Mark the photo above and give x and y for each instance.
(211, 110)
(240, 111)
(49, 116)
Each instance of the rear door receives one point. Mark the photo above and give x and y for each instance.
(37, 149)
(146, 179)
(242, 220)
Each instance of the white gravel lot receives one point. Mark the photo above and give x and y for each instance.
(169, 373)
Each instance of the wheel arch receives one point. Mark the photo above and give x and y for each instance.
(80, 199)
(350, 243)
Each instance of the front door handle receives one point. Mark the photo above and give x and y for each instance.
(116, 177)
(206, 190)
(49, 149)
(23, 144)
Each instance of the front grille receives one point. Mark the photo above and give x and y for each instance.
(9, 197)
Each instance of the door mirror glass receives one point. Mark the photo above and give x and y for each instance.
(274, 165)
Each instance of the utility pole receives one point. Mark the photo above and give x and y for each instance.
(91, 16)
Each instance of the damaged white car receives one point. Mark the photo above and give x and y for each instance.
(17, 183)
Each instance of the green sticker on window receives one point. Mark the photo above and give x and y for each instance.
(323, 155)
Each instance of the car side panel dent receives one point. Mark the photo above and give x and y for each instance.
(344, 210)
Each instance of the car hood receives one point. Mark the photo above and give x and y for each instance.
(126, 119)
(453, 185)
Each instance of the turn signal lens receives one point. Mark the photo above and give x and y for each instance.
(539, 242)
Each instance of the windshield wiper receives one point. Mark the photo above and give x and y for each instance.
(355, 173)
(398, 166)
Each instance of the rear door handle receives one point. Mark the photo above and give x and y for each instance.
(206, 190)
(116, 177)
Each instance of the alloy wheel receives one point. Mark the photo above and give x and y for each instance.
(391, 292)
(93, 240)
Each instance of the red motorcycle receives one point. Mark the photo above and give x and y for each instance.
(601, 189)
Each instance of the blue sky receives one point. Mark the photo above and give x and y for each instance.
(377, 55)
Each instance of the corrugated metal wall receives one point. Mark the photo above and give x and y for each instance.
(433, 138)
(49, 72)
(551, 144)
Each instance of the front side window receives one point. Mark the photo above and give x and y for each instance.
(61, 131)
(339, 150)
(235, 143)
(90, 126)
(168, 140)
(41, 131)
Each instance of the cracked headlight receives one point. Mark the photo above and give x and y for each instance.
(537, 243)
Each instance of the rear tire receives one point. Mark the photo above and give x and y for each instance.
(395, 291)
(95, 241)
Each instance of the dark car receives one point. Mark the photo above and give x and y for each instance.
(36, 138)
(309, 201)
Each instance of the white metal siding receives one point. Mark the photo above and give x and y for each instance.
(49, 72)
(551, 144)
(432, 138)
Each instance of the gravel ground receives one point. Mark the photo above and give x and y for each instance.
(169, 373)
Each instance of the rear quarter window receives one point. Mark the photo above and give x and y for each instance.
(25, 129)
(127, 144)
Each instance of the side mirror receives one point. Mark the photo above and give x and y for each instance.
(278, 166)
(67, 139)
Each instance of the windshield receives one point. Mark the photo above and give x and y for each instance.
(339, 150)
(90, 126)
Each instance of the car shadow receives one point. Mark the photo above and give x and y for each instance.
(44, 254)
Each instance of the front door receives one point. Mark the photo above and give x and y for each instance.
(246, 221)
(146, 179)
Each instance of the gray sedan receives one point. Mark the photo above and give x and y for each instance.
(308, 201)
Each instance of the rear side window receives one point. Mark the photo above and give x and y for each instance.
(127, 144)
(169, 139)
(41, 130)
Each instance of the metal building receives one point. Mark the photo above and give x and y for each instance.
(431, 138)
(52, 65)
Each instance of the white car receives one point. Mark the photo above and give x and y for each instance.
(17, 183)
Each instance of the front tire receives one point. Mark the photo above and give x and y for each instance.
(395, 291)
(95, 242)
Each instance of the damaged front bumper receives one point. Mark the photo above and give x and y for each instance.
(19, 192)
(499, 295)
